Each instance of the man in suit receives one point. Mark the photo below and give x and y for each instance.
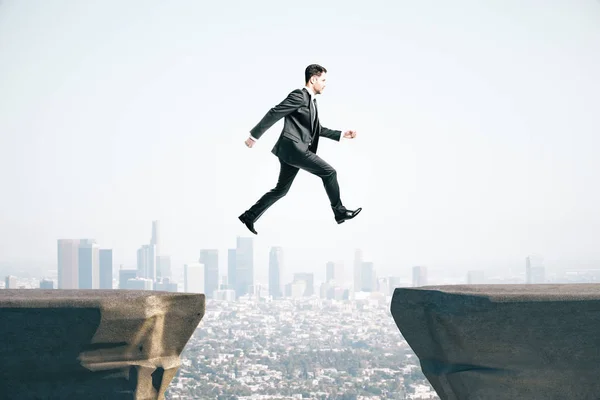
(297, 147)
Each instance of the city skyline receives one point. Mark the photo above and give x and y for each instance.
(217, 265)
(81, 263)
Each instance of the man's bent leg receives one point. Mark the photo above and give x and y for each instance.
(316, 165)
(287, 173)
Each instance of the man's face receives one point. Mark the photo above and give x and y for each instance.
(319, 82)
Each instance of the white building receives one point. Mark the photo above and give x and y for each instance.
(193, 278)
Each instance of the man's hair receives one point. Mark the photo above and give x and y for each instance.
(313, 69)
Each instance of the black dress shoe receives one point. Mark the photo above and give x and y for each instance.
(348, 214)
(249, 224)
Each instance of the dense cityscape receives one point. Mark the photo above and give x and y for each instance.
(299, 348)
(301, 339)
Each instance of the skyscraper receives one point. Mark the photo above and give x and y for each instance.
(275, 270)
(333, 271)
(146, 261)
(155, 240)
(368, 277)
(142, 261)
(210, 259)
(10, 282)
(106, 268)
(89, 264)
(244, 263)
(329, 271)
(68, 263)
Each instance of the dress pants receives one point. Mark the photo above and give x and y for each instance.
(310, 162)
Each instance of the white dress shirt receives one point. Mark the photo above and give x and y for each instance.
(312, 96)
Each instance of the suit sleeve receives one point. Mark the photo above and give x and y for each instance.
(290, 104)
(330, 133)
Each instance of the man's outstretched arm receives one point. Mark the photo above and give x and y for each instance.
(332, 134)
(290, 104)
(336, 135)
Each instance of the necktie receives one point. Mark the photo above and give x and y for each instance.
(314, 111)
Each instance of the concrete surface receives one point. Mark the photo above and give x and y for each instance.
(93, 344)
(497, 342)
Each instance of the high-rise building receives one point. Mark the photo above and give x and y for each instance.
(146, 261)
(10, 282)
(125, 275)
(155, 240)
(151, 269)
(368, 277)
(68, 263)
(210, 259)
(142, 261)
(106, 268)
(193, 278)
(89, 264)
(244, 265)
(275, 270)
(330, 271)
(419, 276)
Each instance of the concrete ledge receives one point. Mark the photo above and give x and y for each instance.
(93, 344)
(504, 341)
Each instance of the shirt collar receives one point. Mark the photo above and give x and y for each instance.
(310, 91)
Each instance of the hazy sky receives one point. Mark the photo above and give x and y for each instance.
(478, 129)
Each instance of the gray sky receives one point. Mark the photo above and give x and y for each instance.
(477, 124)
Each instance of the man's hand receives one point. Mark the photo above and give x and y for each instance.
(350, 134)
(249, 142)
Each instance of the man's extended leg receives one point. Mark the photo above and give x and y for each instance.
(316, 165)
(287, 173)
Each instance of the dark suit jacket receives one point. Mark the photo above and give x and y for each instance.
(297, 134)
